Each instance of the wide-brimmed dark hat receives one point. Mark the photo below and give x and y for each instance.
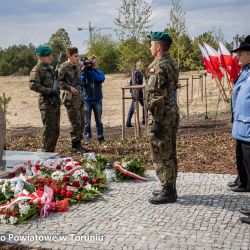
(244, 46)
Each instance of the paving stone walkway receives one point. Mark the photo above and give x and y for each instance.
(206, 216)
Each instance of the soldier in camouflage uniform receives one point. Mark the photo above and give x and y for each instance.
(72, 97)
(41, 81)
(163, 116)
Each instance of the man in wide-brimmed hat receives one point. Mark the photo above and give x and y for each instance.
(241, 119)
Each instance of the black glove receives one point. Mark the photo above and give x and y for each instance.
(54, 92)
(156, 130)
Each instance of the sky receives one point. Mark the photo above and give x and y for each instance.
(33, 21)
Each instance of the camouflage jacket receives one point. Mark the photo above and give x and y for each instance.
(41, 81)
(68, 76)
(161, 82)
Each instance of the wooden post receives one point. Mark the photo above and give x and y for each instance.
(201, 85)
(187, 99)
(136, 115)
(206, 116)
(2, 133)
(192, 88)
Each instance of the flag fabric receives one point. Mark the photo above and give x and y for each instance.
(235, 68)
(206, 60)
(214, 59)
(225, 58)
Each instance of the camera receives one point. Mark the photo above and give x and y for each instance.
(86, 64)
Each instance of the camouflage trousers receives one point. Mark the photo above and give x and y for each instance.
(75, 111)
(163, 152)
(51, 123)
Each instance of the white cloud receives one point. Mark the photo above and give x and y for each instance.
(35, 21)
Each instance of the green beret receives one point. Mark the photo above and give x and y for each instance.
(43, 50)
(160, 36)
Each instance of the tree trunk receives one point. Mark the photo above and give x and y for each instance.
(2, 133)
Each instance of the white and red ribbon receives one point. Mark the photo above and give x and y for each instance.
(118, 166)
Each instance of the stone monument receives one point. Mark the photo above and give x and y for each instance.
(2, 133)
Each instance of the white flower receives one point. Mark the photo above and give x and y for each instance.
(2, 217)
(88, 186)
(13, 220)
(5, 185)
(23, 208)
(57, 175)
(78, 174)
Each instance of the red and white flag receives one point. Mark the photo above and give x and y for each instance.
(235, 68)
(214, 58)
(206, 60)
(225, 58)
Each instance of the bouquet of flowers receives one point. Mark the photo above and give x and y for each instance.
(52, 185)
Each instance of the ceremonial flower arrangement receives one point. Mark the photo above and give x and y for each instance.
(130, 168)
(53, 185)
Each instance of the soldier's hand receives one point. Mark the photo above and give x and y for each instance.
(73, 90)
(156, 130)
(54, 92)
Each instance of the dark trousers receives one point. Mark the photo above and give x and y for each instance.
(96, 106)
(132, 109)
(243, 162)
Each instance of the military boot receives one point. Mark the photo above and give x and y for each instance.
(78, 148)
(167, 195)
(157, 192)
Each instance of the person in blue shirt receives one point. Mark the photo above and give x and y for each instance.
(241, 120)
(92, 80)
(138, 81)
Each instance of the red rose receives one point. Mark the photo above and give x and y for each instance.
(40, 187)
(31, 202)
(96, 181)
(7, 212)
(75, 183)
(65, 178)
(68, 160)
(69, 193)
(68, 168)
(12, 175)
(63, 192)
(64, 185)
(79, 196)
(39, 179)
(58, 167)
(58, 191)
(56, 183)
(85, 178)
(1, 211)
(37, 167)
(23, 170)
(13, 214)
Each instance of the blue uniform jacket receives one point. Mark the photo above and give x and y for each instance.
(241, 106)
(91, 82)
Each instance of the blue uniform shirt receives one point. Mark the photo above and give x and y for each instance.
(241, 106)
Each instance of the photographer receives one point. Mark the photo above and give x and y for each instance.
(92, 80)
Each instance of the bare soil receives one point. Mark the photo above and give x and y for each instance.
(204, 145)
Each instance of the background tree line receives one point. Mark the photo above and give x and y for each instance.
(133, 24)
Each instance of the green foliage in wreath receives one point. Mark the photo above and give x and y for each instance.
(133, 164)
